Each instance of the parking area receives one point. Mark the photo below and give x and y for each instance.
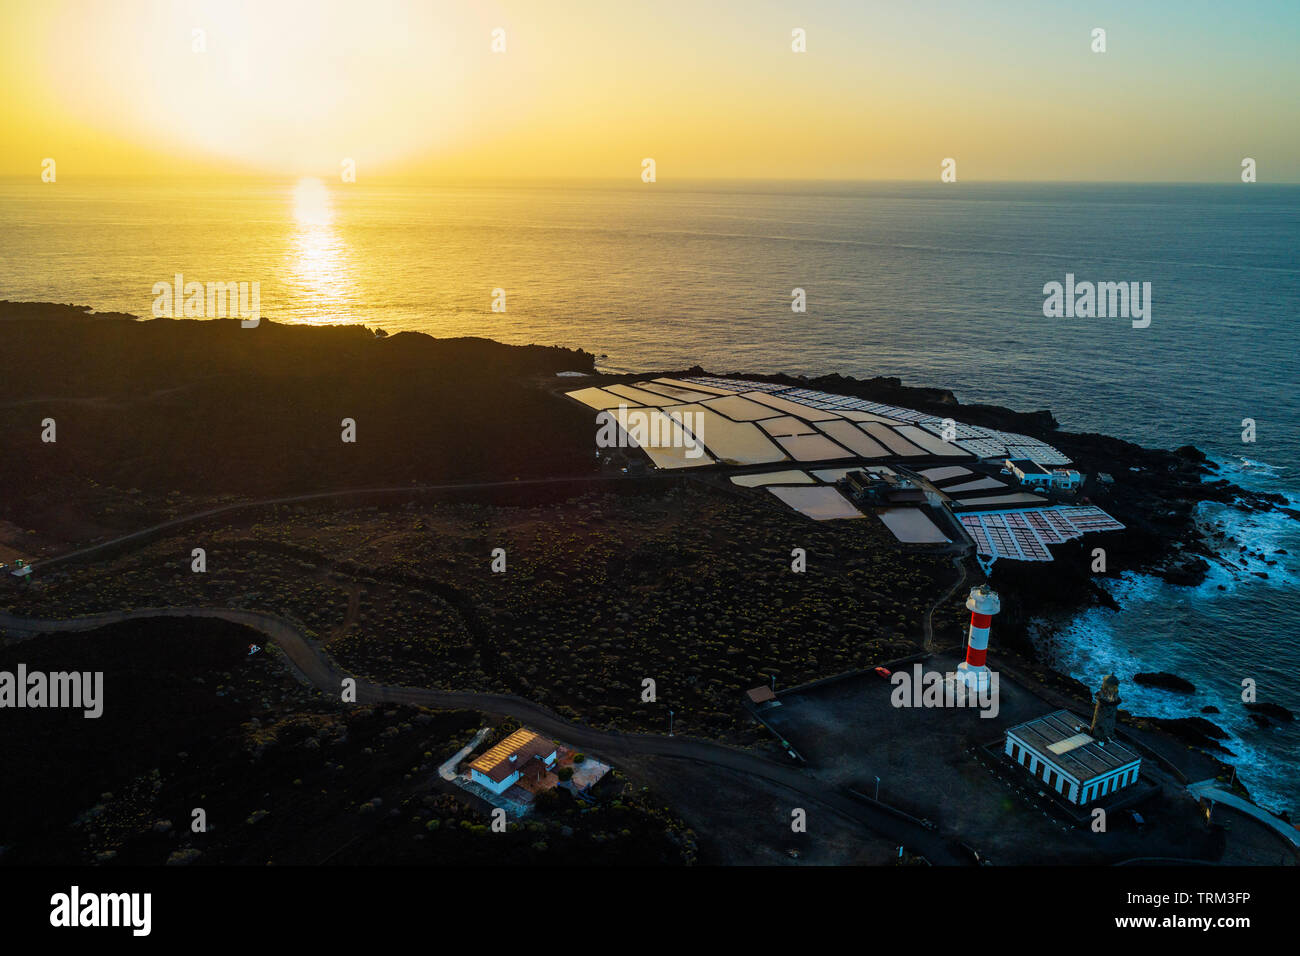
(928, 764)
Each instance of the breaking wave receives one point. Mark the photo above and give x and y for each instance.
(1215, 634)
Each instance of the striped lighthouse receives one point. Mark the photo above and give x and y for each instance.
(983, 603)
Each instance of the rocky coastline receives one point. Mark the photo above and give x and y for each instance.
(1154, 492)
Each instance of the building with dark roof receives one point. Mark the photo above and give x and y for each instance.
(871, 487)
(1058, 750)
(1029, 472)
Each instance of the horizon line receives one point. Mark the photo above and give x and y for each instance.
(631, 181)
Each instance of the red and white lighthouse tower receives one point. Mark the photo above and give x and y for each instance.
(983, 603)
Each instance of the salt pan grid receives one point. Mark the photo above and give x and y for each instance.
(1008, 445)
(959, 430)
(738, 384)
(983, 447)
(1089, 518)
(813, 398)
(1025, 535)
(982, 442)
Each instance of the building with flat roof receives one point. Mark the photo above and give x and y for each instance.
(1066, 479)
(1059, 750)
(872, 487)
(1030, 474)
(523, 753)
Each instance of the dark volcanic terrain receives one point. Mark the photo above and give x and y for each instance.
(209, 435)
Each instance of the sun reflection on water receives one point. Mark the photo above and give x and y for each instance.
(319, 269)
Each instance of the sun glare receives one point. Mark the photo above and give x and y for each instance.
(312, 205)
(319, 265)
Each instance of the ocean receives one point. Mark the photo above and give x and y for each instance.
(938, 284)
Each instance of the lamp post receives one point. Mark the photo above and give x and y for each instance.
(877, 789)
(670, 723)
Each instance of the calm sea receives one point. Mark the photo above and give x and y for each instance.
(938, 284)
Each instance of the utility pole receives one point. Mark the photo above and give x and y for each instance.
(877, 789)
(670, 723)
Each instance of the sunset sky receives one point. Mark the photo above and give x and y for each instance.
(886, 90)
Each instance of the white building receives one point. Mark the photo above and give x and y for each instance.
(1066, 479)
(1031, 474)
(1058, 750)
(522, 754)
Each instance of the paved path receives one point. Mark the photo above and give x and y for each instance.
(1209, 790)
(448, 769)
(959, 562)
(314, 664)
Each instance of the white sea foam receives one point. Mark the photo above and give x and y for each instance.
(1186, 631)
(1100, 641)
(1258, 476)
(1263, 534)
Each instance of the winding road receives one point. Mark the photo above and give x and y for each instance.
(314, 665)
(1210, 790)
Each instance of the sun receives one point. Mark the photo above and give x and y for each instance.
(312, 205)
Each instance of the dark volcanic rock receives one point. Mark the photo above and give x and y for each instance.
(1209, 709)
(1269, 709)
(1196, 731)
(427, 410)
(1188, 574)
(1165, 682)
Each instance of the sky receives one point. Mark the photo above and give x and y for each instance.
(412, 89)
